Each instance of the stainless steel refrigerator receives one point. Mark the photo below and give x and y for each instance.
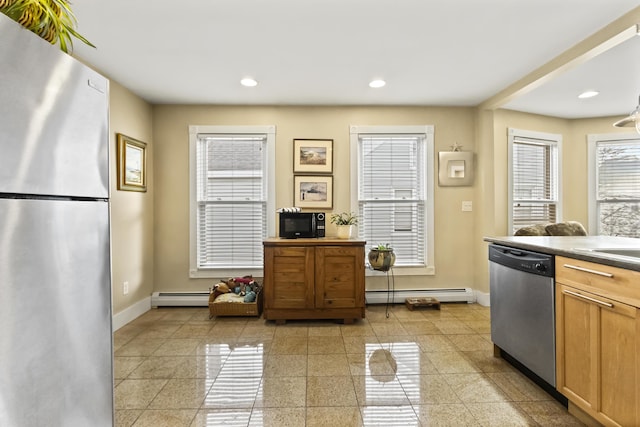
(55, 283)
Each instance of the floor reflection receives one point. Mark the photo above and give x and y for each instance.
(176, 367)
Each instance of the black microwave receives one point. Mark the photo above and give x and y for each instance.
(301, 224)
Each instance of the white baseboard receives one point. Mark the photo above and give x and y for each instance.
(130, 313)
(482, 298)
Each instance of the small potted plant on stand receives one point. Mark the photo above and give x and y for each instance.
(344, 222)
(382, 257)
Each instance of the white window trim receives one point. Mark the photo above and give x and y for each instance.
(512, 133)
(592, 142)
(428, 131)
(270, 132)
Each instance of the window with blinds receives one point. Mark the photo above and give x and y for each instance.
(392, 193)
(230, 206)
(533, 178)
(617, 187)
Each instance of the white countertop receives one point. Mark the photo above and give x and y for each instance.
(577, 247)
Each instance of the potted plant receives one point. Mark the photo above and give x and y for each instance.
(382, 257)
(52, 20)
(344, 222)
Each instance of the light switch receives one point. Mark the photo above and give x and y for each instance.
(467, 206)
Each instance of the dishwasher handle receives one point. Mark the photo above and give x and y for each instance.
(514, 252)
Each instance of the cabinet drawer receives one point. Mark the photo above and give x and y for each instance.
(611, 282)
(290, 251)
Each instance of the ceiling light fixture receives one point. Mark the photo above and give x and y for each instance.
(633, 119)
(377, 83)
(588, 94)
(248, 82)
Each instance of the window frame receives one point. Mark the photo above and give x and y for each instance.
(429, 171)
(592, 171)
(269, 132)
(551, 139)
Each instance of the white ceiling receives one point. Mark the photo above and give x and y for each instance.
(325, 52)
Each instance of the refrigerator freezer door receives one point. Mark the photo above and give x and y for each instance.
(53, 119)
(55, 314)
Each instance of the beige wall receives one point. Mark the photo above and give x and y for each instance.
(150, 230)
(503, 120)
(132, 241)
(492, 190)
(493, 185)
(485, 195)
(454, 229)
(574, 157)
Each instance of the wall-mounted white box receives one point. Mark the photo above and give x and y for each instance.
(456, 168)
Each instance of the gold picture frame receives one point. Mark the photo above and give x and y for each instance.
(313, 191)
(132, 164)
(312, 155)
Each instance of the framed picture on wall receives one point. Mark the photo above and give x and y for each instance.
(312, 155)
(313, 191)
(132, 164)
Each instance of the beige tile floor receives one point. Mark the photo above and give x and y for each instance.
(175, 367)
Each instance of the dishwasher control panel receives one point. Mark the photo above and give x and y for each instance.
(523, 260)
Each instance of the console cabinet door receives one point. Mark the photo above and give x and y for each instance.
(599, 355)
(290, 275)
(339, 276)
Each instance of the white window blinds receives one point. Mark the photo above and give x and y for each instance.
(391, 194)
(533, 179)
(231, 197)
(618, 187)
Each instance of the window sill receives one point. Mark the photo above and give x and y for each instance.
(224, 273)
(403, 271)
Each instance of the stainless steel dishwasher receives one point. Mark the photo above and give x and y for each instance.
(523, 308)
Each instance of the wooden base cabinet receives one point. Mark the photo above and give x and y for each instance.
(598, 347)
(313, 279)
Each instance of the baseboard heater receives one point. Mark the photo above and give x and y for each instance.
(201, 298)
(442, 295)
(180, 299)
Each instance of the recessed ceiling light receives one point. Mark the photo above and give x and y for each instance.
(377, 83)
(248, 82)
(588, 94)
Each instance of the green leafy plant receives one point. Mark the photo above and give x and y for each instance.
(383, 247)
(344, 218)
(52, 20)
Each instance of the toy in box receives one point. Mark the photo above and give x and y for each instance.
(240, 296)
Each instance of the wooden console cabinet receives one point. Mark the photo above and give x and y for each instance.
(314, 279)
(598, 340)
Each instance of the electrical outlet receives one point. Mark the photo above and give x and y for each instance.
(125, 288)
(467, 206)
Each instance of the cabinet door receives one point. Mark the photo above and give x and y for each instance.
(619, 364)
(289, 277)
(599, 355)
(339, 277)
(576, 339)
